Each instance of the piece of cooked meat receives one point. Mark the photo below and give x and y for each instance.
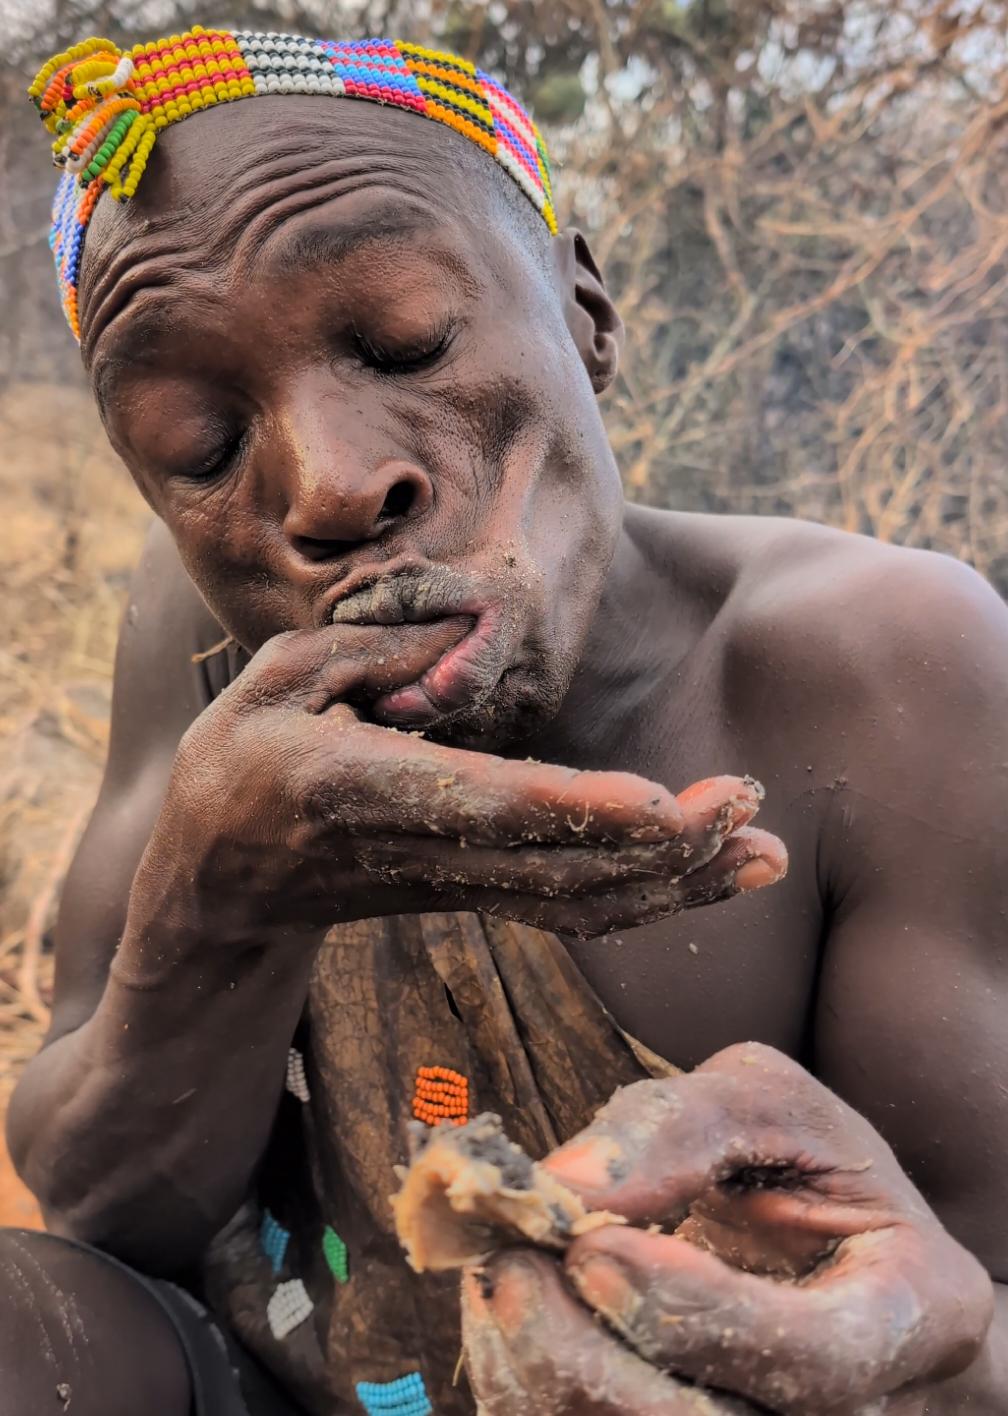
(469, 1190)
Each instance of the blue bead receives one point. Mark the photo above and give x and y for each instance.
(406, 1396)
(274, 1239)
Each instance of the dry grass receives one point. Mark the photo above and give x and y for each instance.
(70, 527)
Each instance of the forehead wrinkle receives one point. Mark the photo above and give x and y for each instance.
(328, 242)
(178, 242)
(132, 344)
(141, 262)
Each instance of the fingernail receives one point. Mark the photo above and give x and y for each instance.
(755, 874)
(591, 1164)
(604, 1285)
(740, 812)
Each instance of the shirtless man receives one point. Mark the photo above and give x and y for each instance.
(355, 376)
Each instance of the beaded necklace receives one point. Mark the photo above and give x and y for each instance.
(106, 106)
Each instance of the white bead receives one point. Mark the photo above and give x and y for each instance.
(297, 1083)
(288, 1308)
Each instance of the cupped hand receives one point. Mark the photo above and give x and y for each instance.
(790, 1263)
(284, 798)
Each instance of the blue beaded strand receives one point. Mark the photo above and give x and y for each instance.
(274, 1239)
(406, 1396)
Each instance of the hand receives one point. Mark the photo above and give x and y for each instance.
(299, 813)
(805, 1274)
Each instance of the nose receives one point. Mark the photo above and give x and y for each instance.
(329, 515)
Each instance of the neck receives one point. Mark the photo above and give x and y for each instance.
(646, 623)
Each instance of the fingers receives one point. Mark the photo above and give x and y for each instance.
(313, 669)
(569, 871)
(712, 809)
(887, 1310)
(530, 1346)
(752, 1119)
(376, 780)
(593, 911)
(654, 1149)
(749, 859)
(379, 780)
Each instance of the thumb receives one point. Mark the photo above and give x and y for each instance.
(316, 668)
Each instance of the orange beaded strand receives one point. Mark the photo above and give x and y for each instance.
(441, 1094)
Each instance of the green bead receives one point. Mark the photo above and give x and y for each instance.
(336, 1254)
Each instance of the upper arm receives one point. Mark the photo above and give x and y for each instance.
(913, 1001)
(157, 693)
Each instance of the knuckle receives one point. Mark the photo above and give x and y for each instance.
(273, 656)
(278, 665)
(744, 1056)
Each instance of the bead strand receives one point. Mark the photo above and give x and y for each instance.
(105, 107)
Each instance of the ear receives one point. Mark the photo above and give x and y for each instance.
(591, 316)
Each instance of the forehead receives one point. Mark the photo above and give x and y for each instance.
(297, 178)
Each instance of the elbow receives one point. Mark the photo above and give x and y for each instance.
(156, 1238)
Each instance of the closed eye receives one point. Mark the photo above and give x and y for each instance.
(221, 460)
(403, 358)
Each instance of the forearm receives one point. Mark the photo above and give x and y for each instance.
(982, 1390)
(139, 1132)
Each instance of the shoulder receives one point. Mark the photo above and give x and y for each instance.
(850, 622)
(880, 675)
(793, 598)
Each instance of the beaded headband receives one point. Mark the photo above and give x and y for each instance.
(106, 107)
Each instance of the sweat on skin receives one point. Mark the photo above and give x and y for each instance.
(358, 387)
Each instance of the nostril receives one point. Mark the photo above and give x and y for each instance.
(317, 550)
(398, 501)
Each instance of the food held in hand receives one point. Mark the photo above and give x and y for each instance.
(469, 1190)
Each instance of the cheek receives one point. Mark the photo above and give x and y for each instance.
(226, 555)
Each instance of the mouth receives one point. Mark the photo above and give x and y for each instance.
(468, 670)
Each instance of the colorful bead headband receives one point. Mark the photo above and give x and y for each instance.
(106, 108)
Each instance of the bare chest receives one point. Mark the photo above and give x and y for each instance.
(692, 984)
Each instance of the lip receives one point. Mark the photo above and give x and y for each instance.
(408, 590)
(363, 576)
(466, 673)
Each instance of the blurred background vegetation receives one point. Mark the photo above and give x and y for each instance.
(800, 204)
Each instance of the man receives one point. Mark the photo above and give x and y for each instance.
(355, 375)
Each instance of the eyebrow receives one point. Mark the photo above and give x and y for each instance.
(327, 244)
